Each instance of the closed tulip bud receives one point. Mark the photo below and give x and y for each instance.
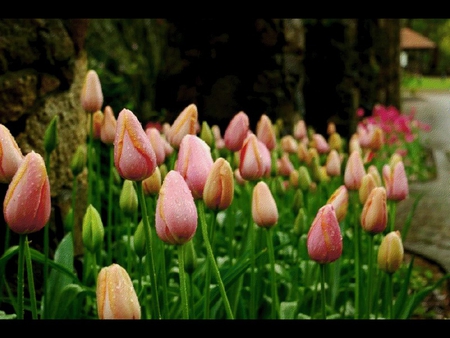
(176, 212)
(391, 252)
(299, 200)
(237, 131)
(395, 181)
(158, 144)
(335, 142)
(116, 297)
(206, 134)
(219, 187)
(78, 161)
(331, 128)
(354, 171)
(320, 143)
(304, 178)
(128, 201)
(284, 165)
(184, 124)
(367, 185)
(92, 229)
(265, 132)
(264, 207)
(302, 152)
(134, 157)
(139, 240)
(289, 144)
(372, 170)
(91, 93)
(333, 163)
(108, 126)
(238, 177)
(152, 184)
(395, 157)
(293, 178)
(27, 203)
(300, 130)
(51, 135)
(97, 120)
(255, 161)
(194, 163)
(339, 200)
(354, 144)
(10, 155)
(219, 142)
(376, 139)
(324, 237)
(300, 222)
(374, 213)
(190, 257)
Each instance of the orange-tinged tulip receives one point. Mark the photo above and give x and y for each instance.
(376, 139)
(194, 163)
(91, 93)
(237, 131)
(219, 187)
(97, 121)
(395, 181)
(339, 200)
(134, 157)
(158, 144)
(324, 240)
(108, 126)
(152, 184)
(320, 143)
(335, 142)
(390, 252)
(374, 213)
(10, 155)
(116, 297)
(354, 171)
(284, 165)
(333, 163)
(185, 123)
(373, 170)
(354, 144)
(27, 202)
(367, 185)
(218, 140)
(300, 130)
(264, 207)
(289, 144)
(265, 132)
(176, 213)
(255, 161)
(331, 128)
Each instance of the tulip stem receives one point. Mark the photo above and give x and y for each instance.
(110, 204)
(208, 272)
(322, 290)
(148, 242)
(90, 146)
(46, 252)
(20, 277)
(370, 275)
(275, 303)
(31, 288)
(183, 286)
(356, 242)
(213, 261)
(389, 286)
(392, 211)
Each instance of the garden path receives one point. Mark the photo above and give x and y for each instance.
(429, 233)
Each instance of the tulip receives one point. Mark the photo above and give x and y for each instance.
(10, 155)
(300, 130)
(134, 156)
(324, 241)
(390, 252)
(176, 212)
(108, 126)
(255, 161)
(354, 144)
(116, 297)
(284, 165)
(265, 132)
(264, 207)
(374, 212)
(335, 141)
(206, 134)
(219, 187)
(158, 144)
(367, 185)
(27, 203)
(184, 124)
(152, 184)
(237, 131)
(78, 161)
(289, 144)
(304, 178)
(320, 143)
(97, 120)
(51, 135)
(218, 140)
(339, 200)
(91, 93)
(194, 163)
(331, 128)
(373, 170)
(376, 139)
(92, 229)
(395, 181)
(354, 171)
(333, 163)
(128, 200)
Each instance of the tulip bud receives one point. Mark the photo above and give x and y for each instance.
(304, 179)
(51, 135)
(219, 187)
(300, 222)
(293, 178)
(324, 237)
(335, 142)
(367, 184)
(284, 165)
(10, 155)
(134, 157)
(299, 200)
(339, 200)
(264, 207)
(91, 93)
(236, 131)
(300, 130)
(372, 170)
(354, 171)
(390, 252)
(92, 229)
(27, 203)
(395, 181)
(374, 212)
(128, 200)
(190, 257)
(289, 144)
(158, 144)
(152, 184)
(176, 212)
(78, 161)
(255, 161)
(108, 126)
(206, 134)
(116, 297)
(97, 121)
(139, 240)
(320, 143)
(184, 124)
(333, 163)
(265, 132)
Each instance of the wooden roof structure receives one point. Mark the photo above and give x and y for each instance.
(410, 39)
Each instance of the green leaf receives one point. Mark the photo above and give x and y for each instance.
(287, 310)
(3, 315)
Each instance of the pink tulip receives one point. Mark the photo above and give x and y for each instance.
(91, 93)
(395, 181)
(265, 132)
(289, 144)
(97, 121)
(108, 126)
(254, 161)
(354, 171)
(237, 131)
(300, 130)
(134, 157)
(284, 165)
(264, 208)
(176, 213)
(219, 187)
(184, 124)
(339, 200)
(218, 140)
(116, 297)
(320, 143)
(324, 240)
(333, 163)
(194, 163)
(10, 155)
(27, 202)
(158, 144)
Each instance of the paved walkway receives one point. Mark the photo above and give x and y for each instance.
(429, 233)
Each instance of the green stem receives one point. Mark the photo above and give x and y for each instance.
(275, 302)
(390, 298)
(208, 274)
(392, 211)
(213, 261)
(31, 288)
(183, 285)
(46, 252)
(89, 158)
(322, 290)
(148, 241)
(110, 204)
(20, 277)
(356, 242)
(370, 276)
